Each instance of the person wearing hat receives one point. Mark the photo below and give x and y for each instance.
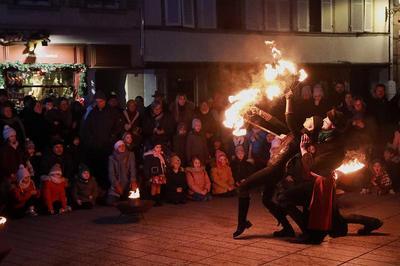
(11, 154)
(54, 189)
(176, 187)
(24, 195)
(8, 118)
(99, 131)
(121, 173)
(223, 183)
(57, 155)
(84, 190)
(158, 96)
(196, 143)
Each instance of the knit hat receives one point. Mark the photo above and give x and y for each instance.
(337, 118)
(8, 132)
(82, 168)
(100, 95)
(57, 141)
(117, 144)
(56, 169)
(29, 144)
(22, 172)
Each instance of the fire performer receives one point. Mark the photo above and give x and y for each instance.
(317, 188)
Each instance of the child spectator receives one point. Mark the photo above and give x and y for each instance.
(176, 187)
(121, 173)
(32, 160)
(24, 194)
(392, 166)
(196, 144)
(154, 172)
(380, 180)
(221, 174)
(75, 151)
(84, 191)
(11, 154)
(241, 168)
(198, 181)
(179, 142)
(53, 189)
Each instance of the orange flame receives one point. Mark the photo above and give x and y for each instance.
(3, 220)
(134, 194)
(350, 167)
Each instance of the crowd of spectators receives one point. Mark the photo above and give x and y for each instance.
(58, 154)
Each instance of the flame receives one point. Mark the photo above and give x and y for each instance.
(240, 103)
(278, 76)
(3, 220)
(134, 194)
(273, 91)
(302, 75)
(350, 166)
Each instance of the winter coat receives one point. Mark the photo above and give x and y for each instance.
(197, 180)
(10, 159)
(101, 129)
(85, 191)
(121, 171)
(222, 179)
(163, 121)
(208, 123)
(20, 196)
(152, 167)
(179, 146)
(196, 145)
(50, 159)
(182, 114)
(52, 192)
(174, 181)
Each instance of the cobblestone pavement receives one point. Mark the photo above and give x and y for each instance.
(196, 234)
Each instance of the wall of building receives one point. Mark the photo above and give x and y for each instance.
(250, 48)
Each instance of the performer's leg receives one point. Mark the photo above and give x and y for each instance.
(243, 223)
(370, 223)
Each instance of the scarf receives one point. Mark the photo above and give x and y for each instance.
(325, 135)
(135, 117)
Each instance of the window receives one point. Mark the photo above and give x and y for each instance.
(179, 13)
(206, 14)
(229, 14)
(303, 15)
(326, 16)
(315, 15)
(361, 15)
(277, 15)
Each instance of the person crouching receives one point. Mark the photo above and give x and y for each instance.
(84, 191)
(53, 190)
(24, 195)
(176, 186)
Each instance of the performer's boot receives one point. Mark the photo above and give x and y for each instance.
(157, 199)
(287, 230)
(243, 223)
(298, 217)
(370, 223)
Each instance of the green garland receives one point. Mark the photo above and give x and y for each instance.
(81, 68)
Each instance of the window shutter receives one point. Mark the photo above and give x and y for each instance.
(326, 16)
(284, 15)
(357, 8)
(271, 15)
(254, 9)
(303, 15)
(188, 13)
(207, 14)
(368, 17)
(172, 12)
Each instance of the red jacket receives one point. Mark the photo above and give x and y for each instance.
(21, 196)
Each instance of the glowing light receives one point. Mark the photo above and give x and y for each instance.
(270, 73)
(134, 194)
(273, 91)
(284, 65)
(302, 75)
(3, 220)
(350, 167)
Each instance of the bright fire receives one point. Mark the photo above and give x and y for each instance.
(350, 167)
(279, 76)
(3, 220)
(134, 194)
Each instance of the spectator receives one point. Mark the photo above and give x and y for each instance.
(158, 97)
(380, 107)
(154, 171)
(121, 172)
(392, 166)
(179, 142)
(223, 182)
(338, 95)
(140, 105)
(196, 144)
(209, 125)
(9, 119)
(57, 155)
(319, 106)
(158, 126)
(74, 151)
(176, 187)
(36, 126)
(113, 102)
(98, 133)
(11, 154)
(198, 181)
(53, 190)
(77, 111)
(84, 191)
(24, 195)
(65, 118)
(347, 105)
(380, 180)
(241, 167)
(53, 118)
(132, 119)
(258, 147)
(238, 141)
(3, 97)
(182, 110)
(32, 161)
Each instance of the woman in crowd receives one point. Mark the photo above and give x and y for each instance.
(121, 173)
(196, 144)
(198, 181)
(176, 187)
